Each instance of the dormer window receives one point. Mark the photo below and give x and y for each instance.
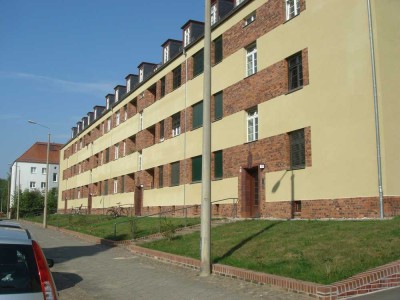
(186, 40)
(214, 16)
(166, 54)
(128, 86)
(116, 96)
(107, 103)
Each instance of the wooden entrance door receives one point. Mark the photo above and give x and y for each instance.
(138, 200)
(250, 193)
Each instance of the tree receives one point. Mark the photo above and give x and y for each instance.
(52, 200)
(3, 195)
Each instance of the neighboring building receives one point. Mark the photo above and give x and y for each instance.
(29, 170)
(293, 127)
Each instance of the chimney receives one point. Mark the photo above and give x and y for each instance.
(78, 127)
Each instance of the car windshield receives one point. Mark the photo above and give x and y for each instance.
(18, 270)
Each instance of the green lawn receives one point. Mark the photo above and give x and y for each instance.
(317, 251)
(103, 227)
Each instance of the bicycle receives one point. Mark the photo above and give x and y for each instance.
(77, 210)
(116, 211)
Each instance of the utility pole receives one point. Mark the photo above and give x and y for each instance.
(205, 267)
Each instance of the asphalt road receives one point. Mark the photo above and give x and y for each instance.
(86, 271)
(390, 294)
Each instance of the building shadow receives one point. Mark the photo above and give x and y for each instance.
(65, 280)
(244, 242)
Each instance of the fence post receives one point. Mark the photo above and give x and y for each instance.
(133, 229)
(159, 222)
(115, 231)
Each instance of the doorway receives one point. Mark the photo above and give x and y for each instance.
(250, 193)
(138, 200)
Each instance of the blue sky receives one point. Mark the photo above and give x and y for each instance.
(60, 58)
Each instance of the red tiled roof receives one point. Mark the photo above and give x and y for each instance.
(37, 153)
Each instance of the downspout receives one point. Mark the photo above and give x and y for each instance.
(184, 139)
(375, 92)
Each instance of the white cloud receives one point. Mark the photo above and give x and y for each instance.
(65, 85)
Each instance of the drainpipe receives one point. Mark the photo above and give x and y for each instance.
(184, 137)
(375, 92)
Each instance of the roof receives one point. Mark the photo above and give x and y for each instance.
(37, 153)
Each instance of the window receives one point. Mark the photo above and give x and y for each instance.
(116, 96)
(140, 162)
(297, 149)
(105, 187)
(116, 152)
(218, 106)
(250, 18)
(197, 115)
(79, 193)
(43, 185)
(214, 16)
(161, 130)
(176, 124)
(141, 121)
(252, 125)
(107, 155)
(175, 173)
(124, 149)
(117, 118)
(295, 68)
(33, 170)
(186, 38)
(218, 50)
(115, 185)
(55, 177)
(123, 184)
(162, 87)
(196, 168)
(198, 63)
(292, 8)
(251, 60)
(128, 85)
(160, 176)
(166, 54)
(237, 2)
(177, 74)
(125, 112)
(141, 75)
(218, 165)
(32, 184)
(108, 125)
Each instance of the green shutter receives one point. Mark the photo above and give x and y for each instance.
(198, 61)
(175, 173)
(218, 164)
(218, 112)
(218, 50)
(196, 168)
(197, 115)
(297, 149)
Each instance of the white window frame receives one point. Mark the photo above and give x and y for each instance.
(116, 95)
(124, 149)
(125, 113)
(252, 125)
(79, 169)
(55, 177)
(32, 185)
(43, 185)
(115, 186)
(186, 39)
(141, 75)
(237, 2)
(33, 170)
(44, 171)
(117, 118)
(140, 162)
(107, 103)
(214, 16)
(128, 85)
(251, 59)
(102, 158)
(141, 121)
(166, 53)
(250, 19)
(176, 130)
(292, 8)
(116, 152)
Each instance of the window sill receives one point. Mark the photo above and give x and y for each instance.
(195, 182)
(291, 18)
(294, 90)
(296, 168)
(249, 142)
(218, 179)
(248, 76)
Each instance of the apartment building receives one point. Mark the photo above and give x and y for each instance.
(29, 170)
(294, 109)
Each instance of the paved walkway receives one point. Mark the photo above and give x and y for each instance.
(87, 271)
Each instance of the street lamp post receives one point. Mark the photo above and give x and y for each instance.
(46, 190)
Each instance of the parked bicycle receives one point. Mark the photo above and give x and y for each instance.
(78, 210)
(116, 211)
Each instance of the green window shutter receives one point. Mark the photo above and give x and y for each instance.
(175, 173)
(218, 111)
(218, 164)
(162, 87)
(198, 61)
(297, 149)
(177, 77)
(197, 115)
(218, 50)
(196, 168)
